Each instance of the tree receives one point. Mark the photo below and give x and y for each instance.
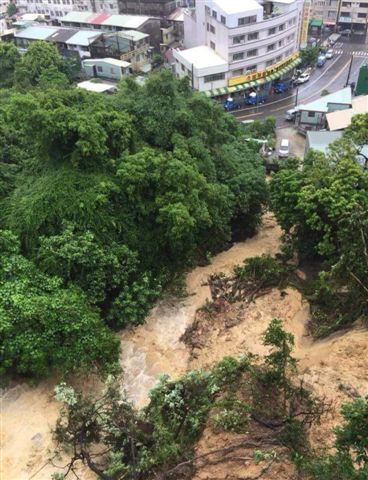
(309, 56)
(43, 325)
(350, 462)
(11, 9)
(40, 56)
(279, 360)
(9, 58)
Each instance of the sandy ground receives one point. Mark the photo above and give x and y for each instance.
(334, 367)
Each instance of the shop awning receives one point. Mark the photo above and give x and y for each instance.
(315, 23)
(255, 83)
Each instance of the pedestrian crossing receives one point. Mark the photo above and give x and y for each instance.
(355, 53)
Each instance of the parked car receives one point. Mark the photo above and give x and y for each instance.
(303, 78)
(329, 54)
(321, 60)
(284, 148)
(346, 31)
(291, 114)
(282, 86)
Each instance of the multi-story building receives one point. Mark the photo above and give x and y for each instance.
(234, 44)
(352, 15)
(152, 8)
(57, 9)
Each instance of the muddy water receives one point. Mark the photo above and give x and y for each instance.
(28, 414)
(155, 347)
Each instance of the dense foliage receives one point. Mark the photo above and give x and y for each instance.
(114, 195)
(322, 205)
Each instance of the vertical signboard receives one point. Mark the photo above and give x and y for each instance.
(305, 24)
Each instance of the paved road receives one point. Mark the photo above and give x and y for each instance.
(332, 77)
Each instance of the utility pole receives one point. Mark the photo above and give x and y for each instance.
(296, 96)
(351, 64)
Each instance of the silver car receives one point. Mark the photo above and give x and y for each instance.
(329, 54)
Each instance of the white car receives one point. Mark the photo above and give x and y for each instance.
(329, 54)
(284, 148)
(304, 77)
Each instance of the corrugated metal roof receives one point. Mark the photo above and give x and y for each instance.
(108, 61)
(321, 140)
(36, 33)
(133, 35)
(83, 38)
(342, 97)
(62, 35)
(123, 21)
(126, 21)
(78, 17)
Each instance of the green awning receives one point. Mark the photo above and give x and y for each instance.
(315, 23)
(254, 83)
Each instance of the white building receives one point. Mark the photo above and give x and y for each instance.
(245, 41)
(57, 9)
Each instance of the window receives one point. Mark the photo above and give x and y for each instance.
(251, 68)
(253, 36)
(214, 77)
(237, 73)
(271, 47)
(311, 114)
(207, 10)
(363, 5)
(212, 28)
(272, 31)
(252, 53)
(208, 27)
(238, 39)
(282, 27)
(280, 43)
(99, 69)
(362, 15)
(247, 20)
(238, 56)
(279, 58)
(214, 14)
(346, 4)
(269, 63)
(223, 20)
(213, 45)
(182, 67)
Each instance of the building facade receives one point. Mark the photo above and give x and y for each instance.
(251, 40)
(352, 15)
(152, 8)
(57, 9)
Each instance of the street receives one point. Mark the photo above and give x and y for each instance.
(332, 77)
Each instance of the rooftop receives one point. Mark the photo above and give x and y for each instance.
(62, 35)
(123, 21)
(342, 119)
(109, 61)
(133, 35)
(99, 87)
(321, 140)
(36, 33)
(237, 6)
(341, 97)
(83, 37)
(202, 57)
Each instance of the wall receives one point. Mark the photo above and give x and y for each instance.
(113, 72)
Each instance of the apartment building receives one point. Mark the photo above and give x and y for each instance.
(234, 44)
(57, 9)
(152, 8)
(352, 15)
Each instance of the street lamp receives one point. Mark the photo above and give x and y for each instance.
(296, 96)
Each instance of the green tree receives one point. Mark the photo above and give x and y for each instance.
(350, 462)
(280, 361)
(309, 56)
(40, 56)
(9, 58)
(43, 325)
(11, 9)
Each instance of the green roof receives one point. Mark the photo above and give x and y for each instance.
(316, 23)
